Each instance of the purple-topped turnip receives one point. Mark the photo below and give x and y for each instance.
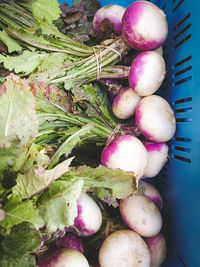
(141, 215)
(127, 153)
(108, 20)
(158, 155)
(144, 26)
(125, 103)
(147, 73)
(157, 248)
(155, 119)
(64, 257)
(152, 193)
(89, 218)
(70, 240)
(124, 248)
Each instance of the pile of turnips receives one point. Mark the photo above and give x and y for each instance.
(143, 27)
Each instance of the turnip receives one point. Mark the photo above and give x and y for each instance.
(124, 248)
(141, 215)
(158, 155)
(152, 193)
(69, 240)
(125, 104)
(127, 153)
(155, 118)
(147, 73)
(157, 248)
(89, 218)
(64, 257)
(144, 25)
(108, 19)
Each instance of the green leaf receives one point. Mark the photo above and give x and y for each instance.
(11, 43)
(26, 261)
(46, 10)
(58, 205)
(24, 63)
(18, 212)
(17, 110)
(35, 180)
(51, 67)
(106, 183)
(50, 98)
(70, 143)
(9, 148)
(22, 240)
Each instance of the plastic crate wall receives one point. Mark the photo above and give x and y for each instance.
(179, 181)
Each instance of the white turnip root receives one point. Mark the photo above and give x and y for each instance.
(141, 215)
(109, 18)
(144, 26)
(158, 155)
(64, 257)
(124, 248)
(89, 218)
(157, 248)
(152, 193)
(127, 153)
(147, 73)
(125, 103)
(155, 119)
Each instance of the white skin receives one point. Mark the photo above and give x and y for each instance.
(124, 248)
(152, 24)
(153, 74)
(131, 156)
(157, 160)
(141, 215)
(90, 214)
(125, 104)
(157, 118)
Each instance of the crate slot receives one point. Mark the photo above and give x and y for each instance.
(182, 41)
(182, 139)
(178, 5)
(184, 149)
(182, 71)
(186, 59)
(182, 81)
(181, 22)
(182, 158)
(181, 260)
(184, 120)
(183, 100)
(182, 31)
(183, 110)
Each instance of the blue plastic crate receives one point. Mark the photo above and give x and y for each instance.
(179, 181)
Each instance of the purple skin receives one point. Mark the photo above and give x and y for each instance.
(130, 19)
(157, 248)
(152, 146)
(112, 148)
(69, 240)
(79, 223)
(51, 259)
(137, 69)
(154, 196)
